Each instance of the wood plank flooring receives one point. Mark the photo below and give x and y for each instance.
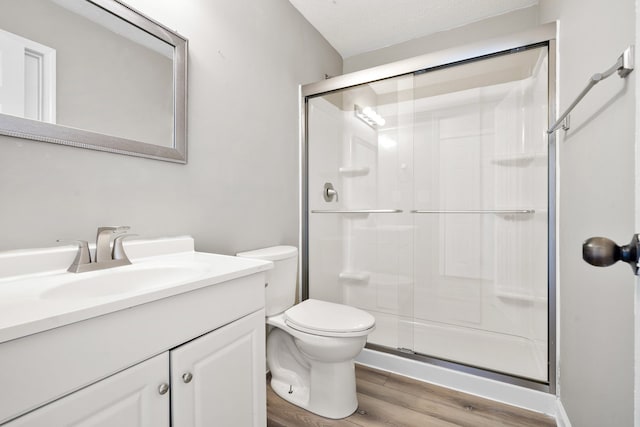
(391, 400)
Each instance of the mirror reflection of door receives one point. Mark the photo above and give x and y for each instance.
(27, 78)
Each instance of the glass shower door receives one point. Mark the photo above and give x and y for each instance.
(439, 226)
(360, 141)
(480, 206)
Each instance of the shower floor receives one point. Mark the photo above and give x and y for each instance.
(393, 400)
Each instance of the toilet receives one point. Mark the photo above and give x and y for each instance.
(312, 345)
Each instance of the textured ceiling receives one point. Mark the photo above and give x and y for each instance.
(357, 26)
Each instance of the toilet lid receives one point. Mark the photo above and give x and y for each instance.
(321, 316)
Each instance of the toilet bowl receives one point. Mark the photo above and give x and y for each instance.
(312, 345)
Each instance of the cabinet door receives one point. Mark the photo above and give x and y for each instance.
(219, 380)
(130, 398)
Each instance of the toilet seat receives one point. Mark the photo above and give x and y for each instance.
(329, 319)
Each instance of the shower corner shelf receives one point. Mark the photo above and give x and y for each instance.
(353, 170)
(355, 276)
(517, 159)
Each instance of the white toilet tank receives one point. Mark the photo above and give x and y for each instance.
(280, 292)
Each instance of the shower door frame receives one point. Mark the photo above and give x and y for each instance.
(544, 35)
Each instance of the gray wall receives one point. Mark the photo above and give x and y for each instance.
(596, 172)
(240, 188)
(596, 199)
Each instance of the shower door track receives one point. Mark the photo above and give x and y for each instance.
(460, 367)
(544, 35)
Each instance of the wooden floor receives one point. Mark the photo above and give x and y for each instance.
(391, 400)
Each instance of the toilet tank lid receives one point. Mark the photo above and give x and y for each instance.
(273, 253)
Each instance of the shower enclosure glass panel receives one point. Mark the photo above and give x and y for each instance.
(439, 225)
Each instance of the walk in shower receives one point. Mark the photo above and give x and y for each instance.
(428, 202)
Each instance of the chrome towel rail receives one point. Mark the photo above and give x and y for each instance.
(357, 211)
(495, 211)
(624, 65)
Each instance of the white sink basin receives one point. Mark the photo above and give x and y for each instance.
(130, 280)
(38, 294)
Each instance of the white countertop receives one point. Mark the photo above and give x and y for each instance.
(30, 303)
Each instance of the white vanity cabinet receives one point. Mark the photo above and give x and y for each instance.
(214, 380)
(218, 379)
(93, 349)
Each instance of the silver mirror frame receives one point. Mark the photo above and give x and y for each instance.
(57, 134)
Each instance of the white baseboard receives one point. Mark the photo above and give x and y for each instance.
(532, 400)
(562, 419)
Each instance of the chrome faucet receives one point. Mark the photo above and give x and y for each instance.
(103, 242)
(106, 256)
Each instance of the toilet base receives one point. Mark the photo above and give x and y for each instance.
(333, 390)
(298, 395)
(325, 388)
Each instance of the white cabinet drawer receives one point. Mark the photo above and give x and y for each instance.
(130, 398)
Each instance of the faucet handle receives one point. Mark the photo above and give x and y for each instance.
(330, 193)
(118, 250)
(83, 256)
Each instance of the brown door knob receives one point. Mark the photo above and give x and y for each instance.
(603, 252)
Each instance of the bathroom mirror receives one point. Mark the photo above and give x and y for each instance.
(92, 74)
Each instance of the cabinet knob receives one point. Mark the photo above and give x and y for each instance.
(187, 377)
(163, 388)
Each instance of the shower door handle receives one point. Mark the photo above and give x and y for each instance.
(603, 252)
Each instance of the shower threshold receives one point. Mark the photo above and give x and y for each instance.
(463, 368)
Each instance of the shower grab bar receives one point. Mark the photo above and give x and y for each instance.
(624, 65)
(496, 211)
(357, 211)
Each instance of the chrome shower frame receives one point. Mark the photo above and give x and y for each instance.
(541, 36)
